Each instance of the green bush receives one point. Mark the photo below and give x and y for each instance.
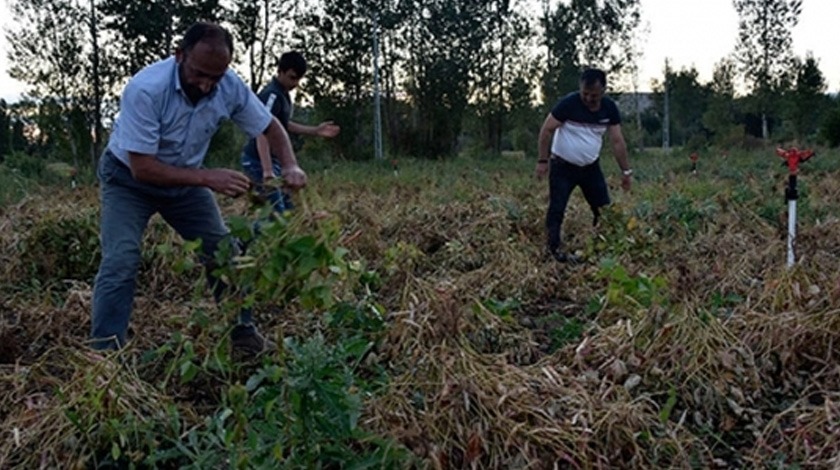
(26, 165)
(13, 186)
(830, 129)
(62, 248)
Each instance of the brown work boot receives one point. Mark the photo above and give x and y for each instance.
(246, 341)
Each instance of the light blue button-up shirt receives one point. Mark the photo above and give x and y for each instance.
(156, 117)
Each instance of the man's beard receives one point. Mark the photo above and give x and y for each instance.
(193, 92)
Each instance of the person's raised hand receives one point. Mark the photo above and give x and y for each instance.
(328, 129)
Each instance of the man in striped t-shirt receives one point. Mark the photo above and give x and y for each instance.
(569, 147)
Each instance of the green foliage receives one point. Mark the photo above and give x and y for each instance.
(684, 215)
(569, 331)
(58, 72)
(503, 74)
(62, 248)
(13, 186)
(301, 408)
(502, 308)
(688, 101)
(5, 130)
(640, 290)
(807, 98)
(337, 43)
(25, 165)
(764, 47)
(114, 414)
(620, 233)
(668, 407)
(226, 147)
(256, 27)
(830, 128)
(301, 412)
(143, 32)
(443, 50)
(282, 266)
(584, 33)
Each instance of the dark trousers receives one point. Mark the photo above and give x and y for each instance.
(127, 206)
(563, 178)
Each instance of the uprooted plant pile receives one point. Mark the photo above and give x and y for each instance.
(420, 325)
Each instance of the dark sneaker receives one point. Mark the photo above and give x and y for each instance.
(563, 257)
(248, 342)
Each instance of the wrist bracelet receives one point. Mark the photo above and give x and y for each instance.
(627, 172)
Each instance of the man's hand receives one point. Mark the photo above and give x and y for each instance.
(327, 129)
(228, 182)
(626, 182)
(541, 169)
(294, 176)
(268, 175)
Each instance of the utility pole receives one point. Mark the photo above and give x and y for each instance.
(377, 113)
(666, 121)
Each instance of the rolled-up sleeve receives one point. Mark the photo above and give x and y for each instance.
(139, 121)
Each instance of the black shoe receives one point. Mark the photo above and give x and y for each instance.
(246, 341)
(563, 257)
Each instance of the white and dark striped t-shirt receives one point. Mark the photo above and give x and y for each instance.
(578, 140)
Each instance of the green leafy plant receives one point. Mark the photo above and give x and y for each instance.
(569, 331)
(640, 290)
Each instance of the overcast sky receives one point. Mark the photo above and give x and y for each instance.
(696, 33)
(700, 33)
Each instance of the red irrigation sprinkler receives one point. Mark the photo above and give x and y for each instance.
(694, 157)
(793, 157)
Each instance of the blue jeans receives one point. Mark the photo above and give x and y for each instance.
(252, 167)
(127, 206)
(563, 178)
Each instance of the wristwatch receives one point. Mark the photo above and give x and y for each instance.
(627, 172)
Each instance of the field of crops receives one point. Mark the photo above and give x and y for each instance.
(421, 326)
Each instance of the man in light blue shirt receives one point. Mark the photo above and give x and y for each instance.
(169, 111)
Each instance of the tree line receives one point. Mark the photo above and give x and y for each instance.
(456, 75)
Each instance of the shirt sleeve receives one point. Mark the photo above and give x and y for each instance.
(139, 122)
(615, 115)
(250, 113)
(561, 110)
(278, 110)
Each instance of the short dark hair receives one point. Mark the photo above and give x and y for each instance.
(292, 60)
(591, 76)
(210, 32)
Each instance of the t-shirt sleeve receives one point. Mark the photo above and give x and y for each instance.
(614, 114)
(250, 113)
(561, 110)
(139, 123)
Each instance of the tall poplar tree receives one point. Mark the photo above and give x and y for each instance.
(49, 50)
(444, 41)
(587, 33)
(502, 61)
(764, 48)
(258, 26)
